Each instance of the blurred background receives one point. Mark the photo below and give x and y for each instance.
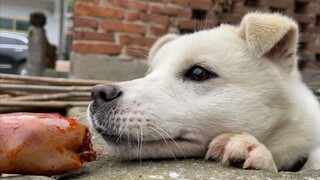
(87, 42)
(15, 24)
(110, 39)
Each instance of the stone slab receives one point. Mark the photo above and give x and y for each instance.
(107, 167)
(103, 67)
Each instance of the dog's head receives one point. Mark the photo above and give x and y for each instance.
(227, 79)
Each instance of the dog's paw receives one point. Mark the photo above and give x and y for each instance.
(241, 150)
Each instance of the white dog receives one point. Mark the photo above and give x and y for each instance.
(232, 94)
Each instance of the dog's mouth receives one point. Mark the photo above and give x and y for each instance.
(144, 139)
(118, 140)
(126, 147)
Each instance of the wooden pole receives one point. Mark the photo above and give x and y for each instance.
(43, 88)
(43, 104)
(52, 81)
(46, 97)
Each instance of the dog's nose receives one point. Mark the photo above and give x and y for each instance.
(105, 92)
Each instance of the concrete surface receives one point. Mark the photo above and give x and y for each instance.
(103, 67)
(106, 167)
(62, 66)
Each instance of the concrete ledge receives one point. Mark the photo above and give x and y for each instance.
(103, 67)
(106, 167)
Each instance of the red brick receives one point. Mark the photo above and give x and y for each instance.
(181, 2)
(95, 36)
(195, 25)
(312, 8)
(110, 25)
(171, 11)
(229, 18)
(278, 4)
(159, 19)
(160, 1)
(136, 40)
(95, 2)
(243, 9)
(309, 38)
(306, 0)
(313, 30)
(302, 18)
(133, 16)
(201, 4)
(136, 52)
(314, 48)
(157, 31)
(131, 4)
(85, 22)
(238, 1)
(87, 48)
(98, 11)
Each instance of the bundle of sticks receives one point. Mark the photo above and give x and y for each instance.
(30, 93)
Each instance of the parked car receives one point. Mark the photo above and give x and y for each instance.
(13, 53)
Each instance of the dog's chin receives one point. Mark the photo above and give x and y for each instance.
(179, 147)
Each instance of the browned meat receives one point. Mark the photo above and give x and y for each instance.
(42, 144)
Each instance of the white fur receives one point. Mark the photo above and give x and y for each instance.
(259, 91)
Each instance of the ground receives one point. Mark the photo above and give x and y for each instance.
(106, 167)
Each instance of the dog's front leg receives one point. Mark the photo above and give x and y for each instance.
(241, 149)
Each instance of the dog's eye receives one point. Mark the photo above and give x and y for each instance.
(198, 73)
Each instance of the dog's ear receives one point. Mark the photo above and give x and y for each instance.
(158, 44)
(271, 35)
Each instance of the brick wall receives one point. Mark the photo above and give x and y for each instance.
(127, 28)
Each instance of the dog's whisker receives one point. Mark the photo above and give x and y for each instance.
(182, 123)
(106, 120)
(83, 115)
(132, 43)
(116, 118)
(110, 113)
(164, 139)
(124, 129)
(171, 140)
(98, 119)
(205, 21)
(141, 139)
(129, 145)
(194, 26)
(99, 108)
(138, 141)
(97, 124)
(145, 55)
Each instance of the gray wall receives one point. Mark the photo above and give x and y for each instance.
(104, 67)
